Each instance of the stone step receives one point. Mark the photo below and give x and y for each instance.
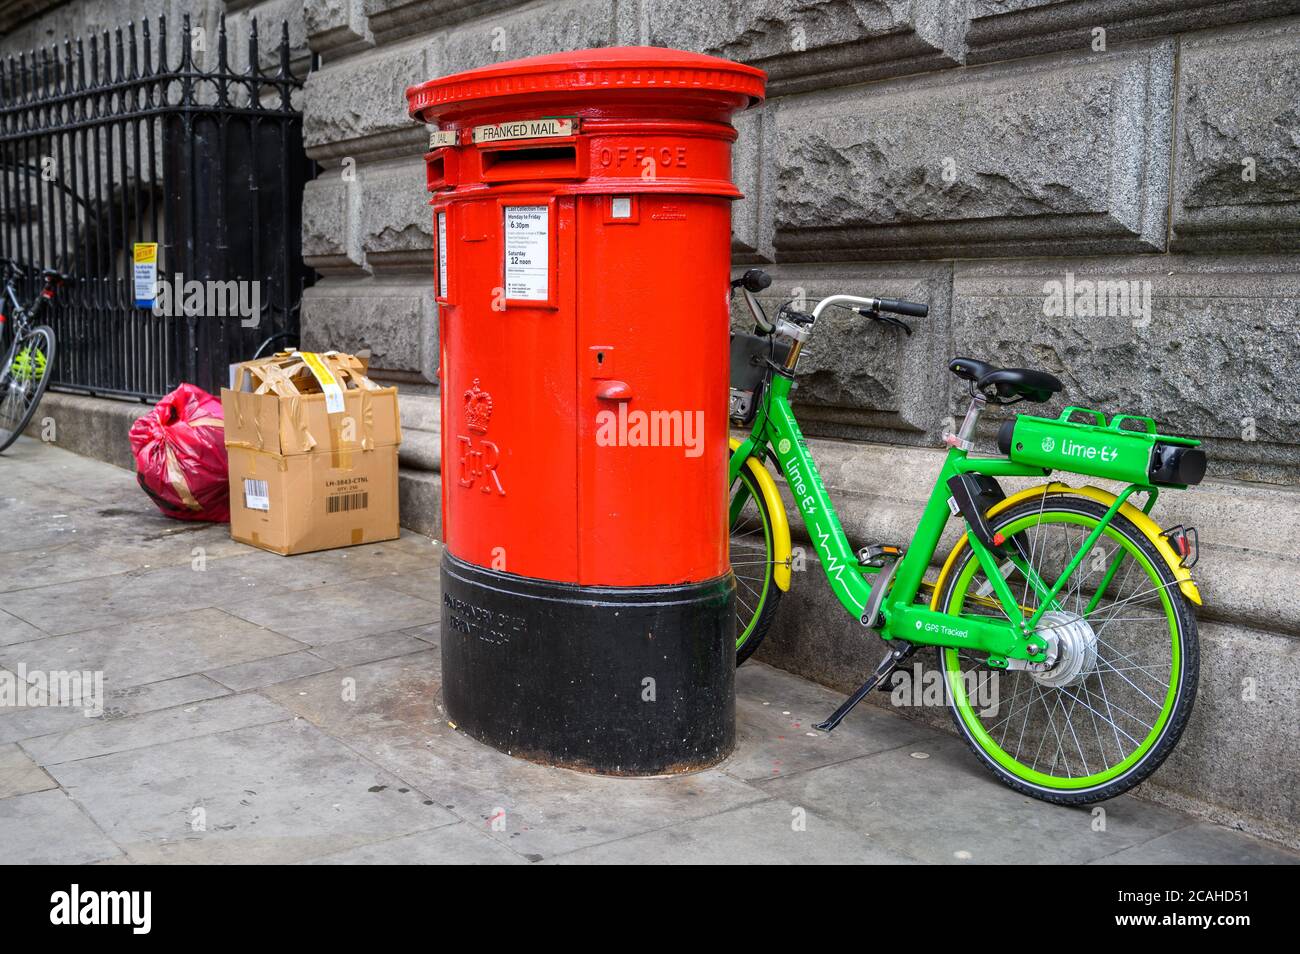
(419, 494)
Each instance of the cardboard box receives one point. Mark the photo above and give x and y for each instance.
(312, 443)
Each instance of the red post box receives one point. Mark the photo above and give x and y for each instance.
(581, 206)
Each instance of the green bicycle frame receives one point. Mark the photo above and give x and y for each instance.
(903, 617)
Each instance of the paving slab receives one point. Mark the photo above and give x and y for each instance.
(38, 519)
(156, 541)
(946, 808)
(457, 844)
(307, 571)
(423, 582)
(35, 512)
(774, 726)
(14, 630)
(355, 652)
(339, 612)
(139, 594)
(379, 561)
(280, 793)
(770, 832)
(266, 672)
(25, 529)
(19, 774)
(46, 828)
(51, 466)
(153, 649)
(1201, 843)
(26, 722)
(62, 563)
(153, 728)
(537, 811)
(430, 633)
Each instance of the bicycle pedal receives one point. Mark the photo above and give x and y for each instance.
(878, 554)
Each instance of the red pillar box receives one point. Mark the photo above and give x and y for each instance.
(581, 206)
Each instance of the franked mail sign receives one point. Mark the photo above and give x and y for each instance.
(523, 129)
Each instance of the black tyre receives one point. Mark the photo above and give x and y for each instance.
(1119, 694)
(23, 381)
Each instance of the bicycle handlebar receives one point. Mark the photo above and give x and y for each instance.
(16, 269)
(899, 307)
(755, 280)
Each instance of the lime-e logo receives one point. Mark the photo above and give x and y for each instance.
(783, 447)
(1087, 451)
(1049, 445)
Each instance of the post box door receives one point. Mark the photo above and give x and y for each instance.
(508, 393)
(653, 347)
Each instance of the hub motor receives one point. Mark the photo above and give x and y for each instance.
(1072, 649)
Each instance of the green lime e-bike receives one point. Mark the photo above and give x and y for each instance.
(1061, 617)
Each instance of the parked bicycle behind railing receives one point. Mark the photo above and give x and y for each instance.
(27, 347)
(1069, 599)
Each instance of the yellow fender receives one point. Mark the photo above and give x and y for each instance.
(780, 524)
(1139, 519)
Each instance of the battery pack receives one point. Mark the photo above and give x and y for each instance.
(1111, 451)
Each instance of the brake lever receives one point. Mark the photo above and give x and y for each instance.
(762, 324)
(884, 319)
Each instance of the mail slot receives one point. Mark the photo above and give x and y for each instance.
(529, 162)
(582, 257)
(442, 169)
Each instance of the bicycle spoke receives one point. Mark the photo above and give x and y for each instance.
(1098, 719)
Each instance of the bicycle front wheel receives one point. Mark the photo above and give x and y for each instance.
(1116, 696)
(23, 381)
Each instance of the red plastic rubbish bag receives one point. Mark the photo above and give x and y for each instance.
(180, 456)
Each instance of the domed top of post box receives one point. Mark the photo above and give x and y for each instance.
(589, 76)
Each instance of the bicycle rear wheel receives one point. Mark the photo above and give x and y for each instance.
(23, 381)
(1121, 689)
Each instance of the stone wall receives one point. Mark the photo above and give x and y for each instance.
(1002, 144)
(967, 154)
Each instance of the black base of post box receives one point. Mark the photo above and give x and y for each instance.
(615, 680)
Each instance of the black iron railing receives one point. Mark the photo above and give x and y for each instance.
(112, 142)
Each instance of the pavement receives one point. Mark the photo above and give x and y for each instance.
(259, 708)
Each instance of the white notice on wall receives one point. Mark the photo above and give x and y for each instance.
(442, 254)
(527, 252)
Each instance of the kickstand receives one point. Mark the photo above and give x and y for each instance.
(892, 660)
